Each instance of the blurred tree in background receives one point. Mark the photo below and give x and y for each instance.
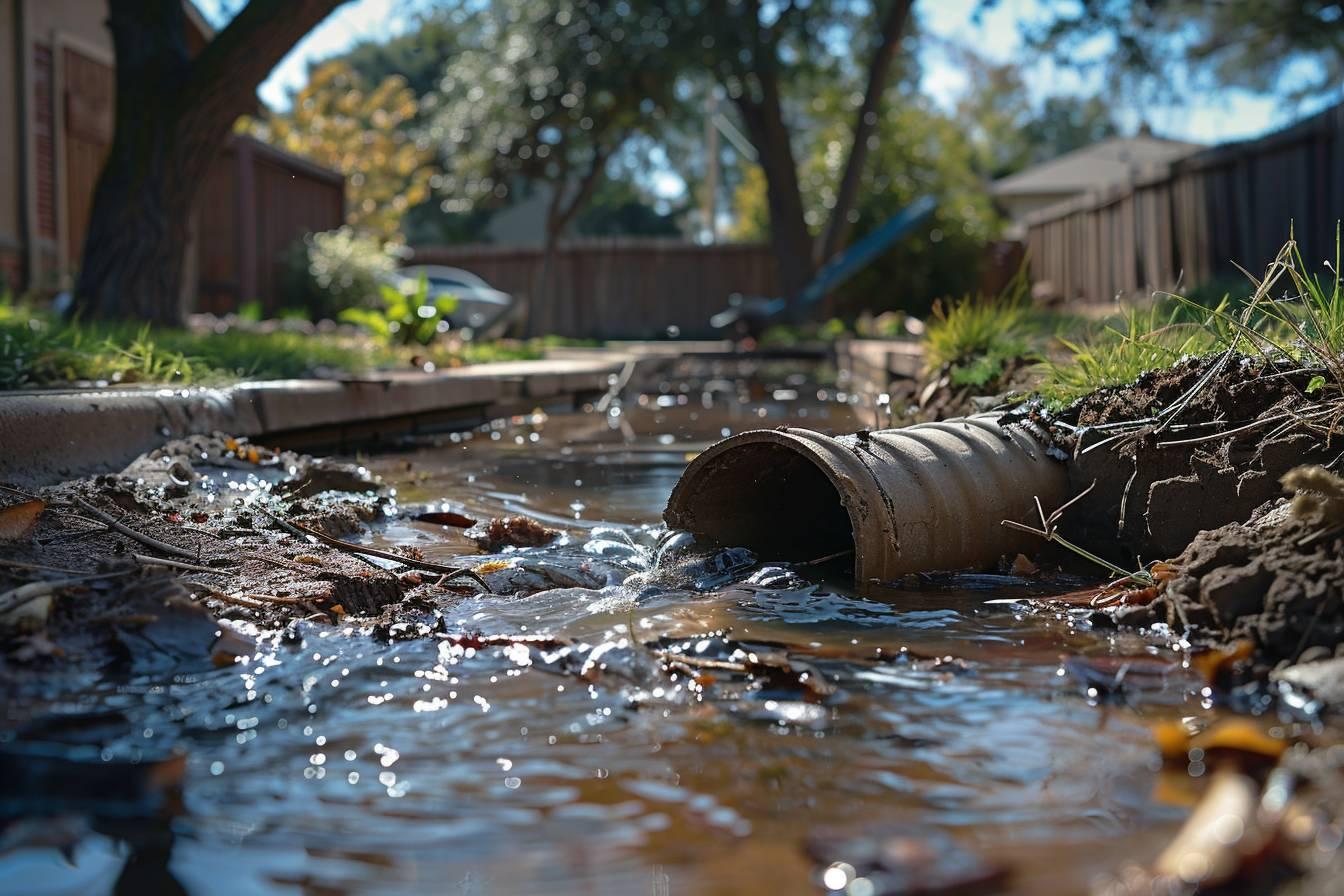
(1291, 47)
(365, 133)
(543, 95)
(757, 50)
(918, 150)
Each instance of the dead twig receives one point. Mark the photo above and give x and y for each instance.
(178, 564)
(39, 567)
(452, 572)
(1049, 531)
(146, 540)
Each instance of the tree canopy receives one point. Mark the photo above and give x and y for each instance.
(1293, 47)
(364, 132)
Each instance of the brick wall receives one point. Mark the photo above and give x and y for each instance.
(11, 270)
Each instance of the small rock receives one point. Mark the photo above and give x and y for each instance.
(1323, 680)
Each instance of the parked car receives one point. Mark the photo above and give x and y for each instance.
(482, 311)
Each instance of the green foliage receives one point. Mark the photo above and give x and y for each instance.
(409, 316)
(328, 272)
(366, 132)
(1293, 45)
(1120, 353)
(1302, 323)
(36, 349)
(978, 337)
(1010, 129)
(546, 92)
(919, 150)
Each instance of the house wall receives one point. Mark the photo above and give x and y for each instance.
(1019, 205)
(84, 20)
(11, 177)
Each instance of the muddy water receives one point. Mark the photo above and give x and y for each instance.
(344, 764)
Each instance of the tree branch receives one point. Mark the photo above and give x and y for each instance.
(240, 57)
(837, 226)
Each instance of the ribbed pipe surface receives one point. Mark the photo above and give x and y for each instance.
(921, 498)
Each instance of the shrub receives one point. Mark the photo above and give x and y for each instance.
(328, 272)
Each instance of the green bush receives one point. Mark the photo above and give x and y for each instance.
(334, 270)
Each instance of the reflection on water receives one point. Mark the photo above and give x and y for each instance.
(335, 762)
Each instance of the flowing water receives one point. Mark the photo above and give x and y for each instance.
(342, 763)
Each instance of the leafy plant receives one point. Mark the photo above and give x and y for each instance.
(408, 316)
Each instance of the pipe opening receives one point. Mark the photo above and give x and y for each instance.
(771, 499)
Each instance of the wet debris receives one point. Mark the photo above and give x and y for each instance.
(445, 518)
(511, 532)
(1275, 582)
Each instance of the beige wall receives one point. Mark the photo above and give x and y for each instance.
(85, 20)
(1019, 205)
(11, 179)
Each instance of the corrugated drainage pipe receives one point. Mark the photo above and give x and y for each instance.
(916, 499)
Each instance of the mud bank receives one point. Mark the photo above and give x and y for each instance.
(1219, 467)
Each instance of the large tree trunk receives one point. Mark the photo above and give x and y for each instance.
(173, 116)
(790, 240)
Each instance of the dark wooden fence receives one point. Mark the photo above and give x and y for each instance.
(255, 203)
(1190, 221)
(618, 288)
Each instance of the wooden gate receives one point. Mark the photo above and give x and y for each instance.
(88, 119)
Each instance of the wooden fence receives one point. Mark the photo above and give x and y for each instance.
(618, 288)
(255, 203)
(1190, 221)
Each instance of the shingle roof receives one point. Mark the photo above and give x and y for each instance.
(1094, 166)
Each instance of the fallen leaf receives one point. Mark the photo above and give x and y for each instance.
(17, 520)
(445, 518)
(1210, 664)
(1022, 566)
(1236, 738)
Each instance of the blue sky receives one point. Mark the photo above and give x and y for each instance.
(1210, 118)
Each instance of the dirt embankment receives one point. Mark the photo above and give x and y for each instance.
(1197, 464)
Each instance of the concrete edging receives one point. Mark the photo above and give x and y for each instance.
(50, 435)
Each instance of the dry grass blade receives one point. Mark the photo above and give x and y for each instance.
(147, 540)
(1050, 532)
(146, 560)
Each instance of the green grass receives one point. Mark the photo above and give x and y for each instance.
(1287, 315)
(38, 350)
(979, 339)
(1120, 352)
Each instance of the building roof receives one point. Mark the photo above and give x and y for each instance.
(1091, 167)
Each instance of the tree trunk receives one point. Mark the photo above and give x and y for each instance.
(790, 240)
(879, 69)
(173, 115)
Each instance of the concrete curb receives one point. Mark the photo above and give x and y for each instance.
(51, 435)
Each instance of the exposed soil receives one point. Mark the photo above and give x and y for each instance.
(1160, 480)
(1276, 581)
